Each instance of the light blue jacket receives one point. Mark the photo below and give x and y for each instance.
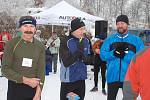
(116, 67)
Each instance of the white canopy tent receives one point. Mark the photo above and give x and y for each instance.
(62, 14)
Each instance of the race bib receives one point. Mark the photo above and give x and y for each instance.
(27, 62)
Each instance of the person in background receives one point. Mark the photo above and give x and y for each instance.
(24, 63)
(74, 55)
(48, 67)
(4, 37)
(37, 35)
(118, 50)
(53, 44)
(98, 64)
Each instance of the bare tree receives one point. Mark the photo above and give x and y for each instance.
(134, 12)
(38, 3)
(87, 6)
(147, 11)
(10, 11)
(138, 11)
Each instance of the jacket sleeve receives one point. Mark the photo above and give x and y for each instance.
(41, 67)
(140, 44)
(105, 53)
(7, 70)
(65, 55)
(57, 42)
(131, 86)
(89, 59)
(48, 42)
(128, 56)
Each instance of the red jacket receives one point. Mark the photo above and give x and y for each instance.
(97, 44)
(138, 75)
(4, 37)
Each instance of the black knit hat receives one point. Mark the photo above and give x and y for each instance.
(122, 18)
(76, 24)
(27, 20)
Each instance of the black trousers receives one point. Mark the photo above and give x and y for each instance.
(54, 61)
(17, 91)
(76, 87)
(99, 64)
(113, 90)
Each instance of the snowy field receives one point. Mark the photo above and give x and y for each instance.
(52, 87)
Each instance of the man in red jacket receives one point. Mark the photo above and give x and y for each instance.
(4, 37)
(137, 79)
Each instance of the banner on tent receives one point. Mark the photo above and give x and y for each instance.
(69, 18)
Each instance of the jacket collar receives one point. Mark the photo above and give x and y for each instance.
(122, 35)
(71, 36)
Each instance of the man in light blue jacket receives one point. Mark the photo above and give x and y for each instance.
(118, 51)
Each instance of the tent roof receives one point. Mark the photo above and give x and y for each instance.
(64, 12)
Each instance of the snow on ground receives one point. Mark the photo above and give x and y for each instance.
(52, 87)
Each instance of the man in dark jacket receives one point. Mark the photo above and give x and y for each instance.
(74, 54)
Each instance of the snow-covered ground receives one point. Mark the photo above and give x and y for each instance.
(52, 87)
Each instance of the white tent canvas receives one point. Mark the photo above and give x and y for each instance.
(62, 14)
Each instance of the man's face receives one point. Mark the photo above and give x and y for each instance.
(122, 27)
(79, 33)
(28, 31)
(54, 35)
(38, 33)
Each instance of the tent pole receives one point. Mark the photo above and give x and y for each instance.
(52, 28)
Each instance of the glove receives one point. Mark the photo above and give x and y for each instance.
(119, 52)
(81, 47)
(88, 60)
(78, 55)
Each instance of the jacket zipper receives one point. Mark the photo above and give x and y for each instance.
(120, 62)
(65, 73)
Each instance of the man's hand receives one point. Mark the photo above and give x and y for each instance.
(97, 51)
(1, 53)
(38, 93)
(36, 97)
(32, 82)
(52, 44)
(78, 55)
(120, 53)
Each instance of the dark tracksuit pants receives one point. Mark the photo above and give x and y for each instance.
(98, 63)
(18, 91)
(113, 90)
(54, 62)
(77, 87)
(48, 62)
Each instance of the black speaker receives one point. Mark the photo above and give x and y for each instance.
(101, 29)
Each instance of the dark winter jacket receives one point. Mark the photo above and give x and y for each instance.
(73, 56)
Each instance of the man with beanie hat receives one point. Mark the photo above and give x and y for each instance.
(118, 50)
(76, 23)
(24, 63)
(122, 18)
(74, 55)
